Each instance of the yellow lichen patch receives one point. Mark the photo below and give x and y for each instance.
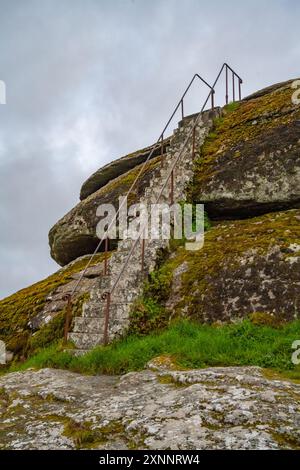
(291, 375)
(163, 362)
(81, 433)
(265, 319)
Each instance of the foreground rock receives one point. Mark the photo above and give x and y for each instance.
(251, 162)
(162, 408)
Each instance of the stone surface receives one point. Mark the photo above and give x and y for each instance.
(250, 164)
(117, 167)
(158, 408)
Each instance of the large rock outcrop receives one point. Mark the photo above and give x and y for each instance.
(158, 408)
(250, 163)
(75, 234)
(246, 266)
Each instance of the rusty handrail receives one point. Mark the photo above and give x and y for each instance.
(234, 74)
(107, 295)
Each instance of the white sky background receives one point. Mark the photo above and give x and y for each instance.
(91, 80)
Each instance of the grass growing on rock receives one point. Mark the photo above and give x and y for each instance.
(190, 344)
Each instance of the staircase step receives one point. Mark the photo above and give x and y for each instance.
(86, 340)
(96, 310)
(88, 324)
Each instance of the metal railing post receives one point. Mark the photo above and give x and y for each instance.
(106, 296)
(68, 298)
(226, 74)
(193, 143)
(162, 150)
(182, 110)
(172, 188)
(233, 87)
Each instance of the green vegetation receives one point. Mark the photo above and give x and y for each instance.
(191, 345)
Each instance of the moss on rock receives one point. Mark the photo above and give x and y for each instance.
(249, 163)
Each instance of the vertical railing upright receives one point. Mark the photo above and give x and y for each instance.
(234, 77)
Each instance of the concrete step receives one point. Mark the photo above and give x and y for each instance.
(97, 310)
(88, 324)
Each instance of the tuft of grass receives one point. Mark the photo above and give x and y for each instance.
(191, 345)
(232, 106)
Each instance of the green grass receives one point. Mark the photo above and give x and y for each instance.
(191, 345)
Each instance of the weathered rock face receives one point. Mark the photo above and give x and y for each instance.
(250, 163)
(75, 234)
(159, 408)
(245, 266)
(118, 167)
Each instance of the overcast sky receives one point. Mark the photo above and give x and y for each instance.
(91, 80)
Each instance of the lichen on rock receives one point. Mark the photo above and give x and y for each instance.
(157, 408)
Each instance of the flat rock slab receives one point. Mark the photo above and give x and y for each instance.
(158, 408)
